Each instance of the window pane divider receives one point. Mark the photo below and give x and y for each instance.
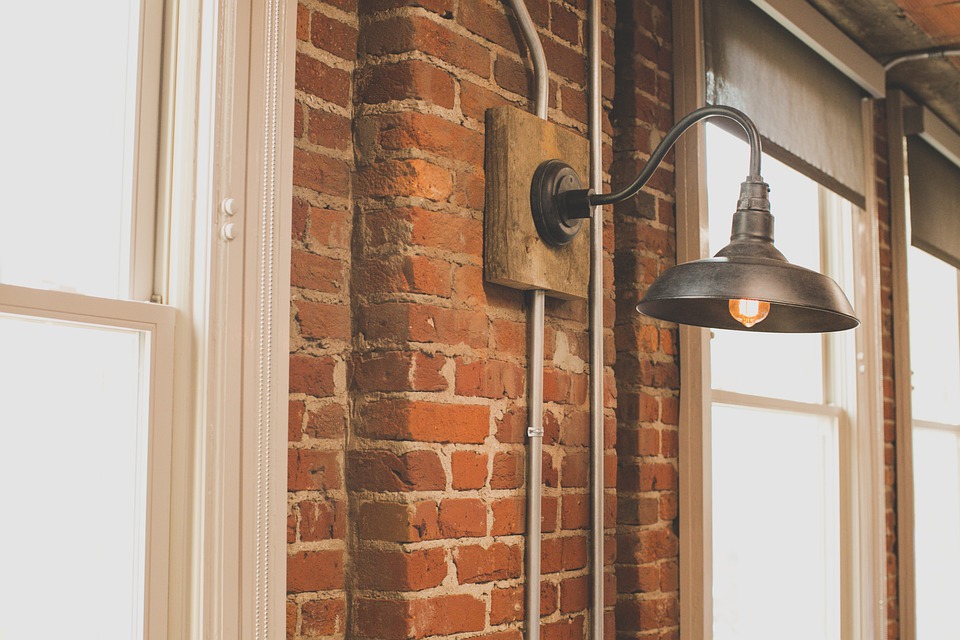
(774, 404)
(73, 306)
(939, 426)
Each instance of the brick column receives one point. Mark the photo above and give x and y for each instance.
(647, 360)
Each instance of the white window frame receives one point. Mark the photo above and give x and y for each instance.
(865, 583)
(158, 322)
(906, 117)
(228, 78)
(223, 98)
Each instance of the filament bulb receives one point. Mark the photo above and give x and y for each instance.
(749, 312)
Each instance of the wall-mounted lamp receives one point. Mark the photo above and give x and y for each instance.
(748, 285)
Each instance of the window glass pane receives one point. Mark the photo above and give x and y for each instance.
(936, 478)
(934, 338)
(66, 162)
(776, 534)
(788, 366)
(72, 480)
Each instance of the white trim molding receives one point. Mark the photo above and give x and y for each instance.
(224, 263)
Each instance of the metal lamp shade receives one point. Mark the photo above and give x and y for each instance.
(750, 267)
(698, 293)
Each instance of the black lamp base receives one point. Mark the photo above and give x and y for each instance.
(553, 182)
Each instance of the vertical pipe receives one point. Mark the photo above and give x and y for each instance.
(535, 463)
(596, 331)
(534, 363)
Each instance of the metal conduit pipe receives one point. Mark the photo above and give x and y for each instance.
(534, 363)
(596, 330)
(929, 54)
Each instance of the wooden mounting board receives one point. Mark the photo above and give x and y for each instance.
(513, 254)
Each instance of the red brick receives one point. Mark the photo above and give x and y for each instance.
(334, 36)
(414, 178)
(320, 273)
(387, 471)
(326, 421)
(324, 617)
(576, 511)
(469, 470)
(506, 605)
(303, 23)
(400, 620)
(508, 516)
(488, 21)
(295, 411)
(429, 276)
(399, 371)
(508, 470)
(426, 132)
(446, 231)
(575, 470)
(313, 376)
(508, 337)
(326, 129)
(322, 520)
(399, 570)
(574, 594)
(329, 228)
(489, 379)
(410, 79)
(512, 426)
(323, 81)
(398, 522)
(564, 23)
(573, 553)
(309, 470)
(425, 421)
(658, 476)
(415, 33)
(323, 321)
(463, 518)
(315, 571)
(300, 211)
(564, 629)
(476, 563)
(443, 7)
(475, 100)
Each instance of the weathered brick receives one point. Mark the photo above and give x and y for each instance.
(394, 419)
(308, 469)
(469, 469)
(315, 571)
(400, 570)
(410, 79)
(478, 563)
(387, 471)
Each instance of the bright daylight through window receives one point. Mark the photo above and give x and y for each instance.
(780, 421)
(80, 442)
(935, 364)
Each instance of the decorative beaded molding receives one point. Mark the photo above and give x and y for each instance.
(271, 149)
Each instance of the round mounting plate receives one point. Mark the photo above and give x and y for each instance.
(552, 178)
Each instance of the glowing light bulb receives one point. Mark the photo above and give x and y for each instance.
(749, 312)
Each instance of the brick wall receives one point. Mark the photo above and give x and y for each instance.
(408, 373)
(321, 320)
(408, 392)
(647, 367)
(886, 316)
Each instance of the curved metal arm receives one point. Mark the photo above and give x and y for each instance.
(753, 138)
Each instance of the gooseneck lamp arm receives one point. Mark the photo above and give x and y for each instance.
(558, 203)
(656, 158)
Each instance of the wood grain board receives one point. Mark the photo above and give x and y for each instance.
(513, 254)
